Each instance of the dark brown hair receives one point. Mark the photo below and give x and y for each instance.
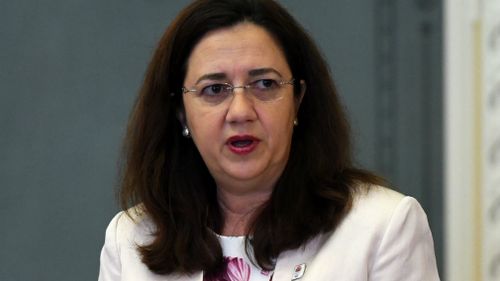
(165, 173)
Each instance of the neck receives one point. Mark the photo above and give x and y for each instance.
(239, 209)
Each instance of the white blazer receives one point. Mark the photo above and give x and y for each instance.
(384, 237)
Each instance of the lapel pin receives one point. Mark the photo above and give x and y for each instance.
(298, 271)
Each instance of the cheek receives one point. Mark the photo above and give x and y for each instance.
(279, 127)
(204, 126)
(196, 119)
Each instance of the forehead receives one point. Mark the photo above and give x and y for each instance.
(236, 50)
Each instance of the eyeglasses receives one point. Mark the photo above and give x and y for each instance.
(262, 90)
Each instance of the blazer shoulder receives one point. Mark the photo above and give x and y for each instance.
(378, 205)
(377, 197)
(132, 226)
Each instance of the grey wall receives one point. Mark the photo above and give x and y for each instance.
(70, 70)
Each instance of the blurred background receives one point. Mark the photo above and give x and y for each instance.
(420, 80)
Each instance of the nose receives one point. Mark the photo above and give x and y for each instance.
(241, 107)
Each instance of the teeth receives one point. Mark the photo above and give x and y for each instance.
(241, 143)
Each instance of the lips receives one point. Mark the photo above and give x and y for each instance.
(242, 144)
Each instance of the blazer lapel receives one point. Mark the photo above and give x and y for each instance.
(290, 263)
(194, 277)
(285, 265)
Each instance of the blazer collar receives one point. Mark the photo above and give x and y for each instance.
(193, 277)
(288, 261)
(285, 265)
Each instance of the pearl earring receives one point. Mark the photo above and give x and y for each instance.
(185, 132)
(295, 122)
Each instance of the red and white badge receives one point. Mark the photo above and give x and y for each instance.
(299, 271)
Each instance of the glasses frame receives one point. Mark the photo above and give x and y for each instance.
(231, 87)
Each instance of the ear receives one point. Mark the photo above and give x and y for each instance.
(298, 100)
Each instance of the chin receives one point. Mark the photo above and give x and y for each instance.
(244, 175)
(244, 172)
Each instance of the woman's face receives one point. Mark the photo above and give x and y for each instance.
(244, 141)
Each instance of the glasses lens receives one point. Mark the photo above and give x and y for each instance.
(214, 94)
(266, 90)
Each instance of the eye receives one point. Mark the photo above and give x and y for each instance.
(214, 90)
(265, 84)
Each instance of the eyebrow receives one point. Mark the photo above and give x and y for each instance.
(212, 76)
(223, 76)
(261, 71)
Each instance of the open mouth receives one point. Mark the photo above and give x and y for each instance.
(242, 144)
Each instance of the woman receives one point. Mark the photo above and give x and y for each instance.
(239, 164)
